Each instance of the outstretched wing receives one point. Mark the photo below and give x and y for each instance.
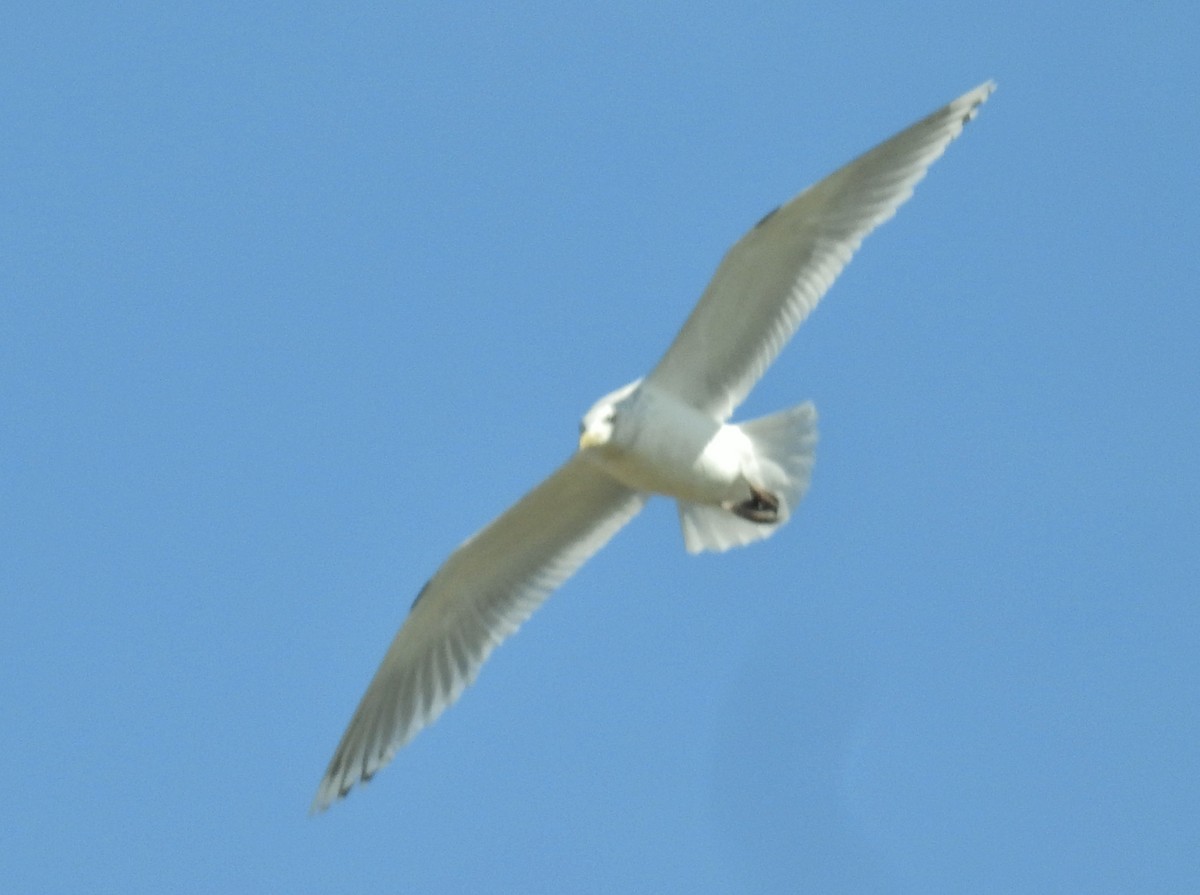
(479, 596)
(774, 275)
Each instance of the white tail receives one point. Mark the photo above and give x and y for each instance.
(784, 451)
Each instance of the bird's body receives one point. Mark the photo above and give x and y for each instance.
(668, 434)
(733, 484)
(663, 446)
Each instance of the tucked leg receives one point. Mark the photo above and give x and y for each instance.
(761, 506)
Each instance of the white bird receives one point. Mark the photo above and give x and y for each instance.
(664, 434)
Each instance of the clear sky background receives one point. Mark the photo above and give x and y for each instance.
(295, 297)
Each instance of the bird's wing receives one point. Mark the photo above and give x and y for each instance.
(480, 595)
(774, 275)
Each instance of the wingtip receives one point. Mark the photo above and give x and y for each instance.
(322, 800)
(975, 98)
(330, 792)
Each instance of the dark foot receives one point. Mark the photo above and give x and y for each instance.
(762, 507)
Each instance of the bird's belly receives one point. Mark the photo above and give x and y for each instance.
(698, 467)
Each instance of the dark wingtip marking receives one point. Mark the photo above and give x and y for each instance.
(989, 88)
(420, 594)
(766, 217)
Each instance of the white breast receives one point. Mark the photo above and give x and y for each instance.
(665, 446)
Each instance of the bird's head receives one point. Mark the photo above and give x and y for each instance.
(598, 425)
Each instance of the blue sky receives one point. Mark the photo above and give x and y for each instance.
(295, 298)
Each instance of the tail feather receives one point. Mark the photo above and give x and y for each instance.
(784, 450)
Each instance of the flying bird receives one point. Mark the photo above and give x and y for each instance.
(667, 433)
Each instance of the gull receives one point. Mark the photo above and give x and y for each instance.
(667, 433)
